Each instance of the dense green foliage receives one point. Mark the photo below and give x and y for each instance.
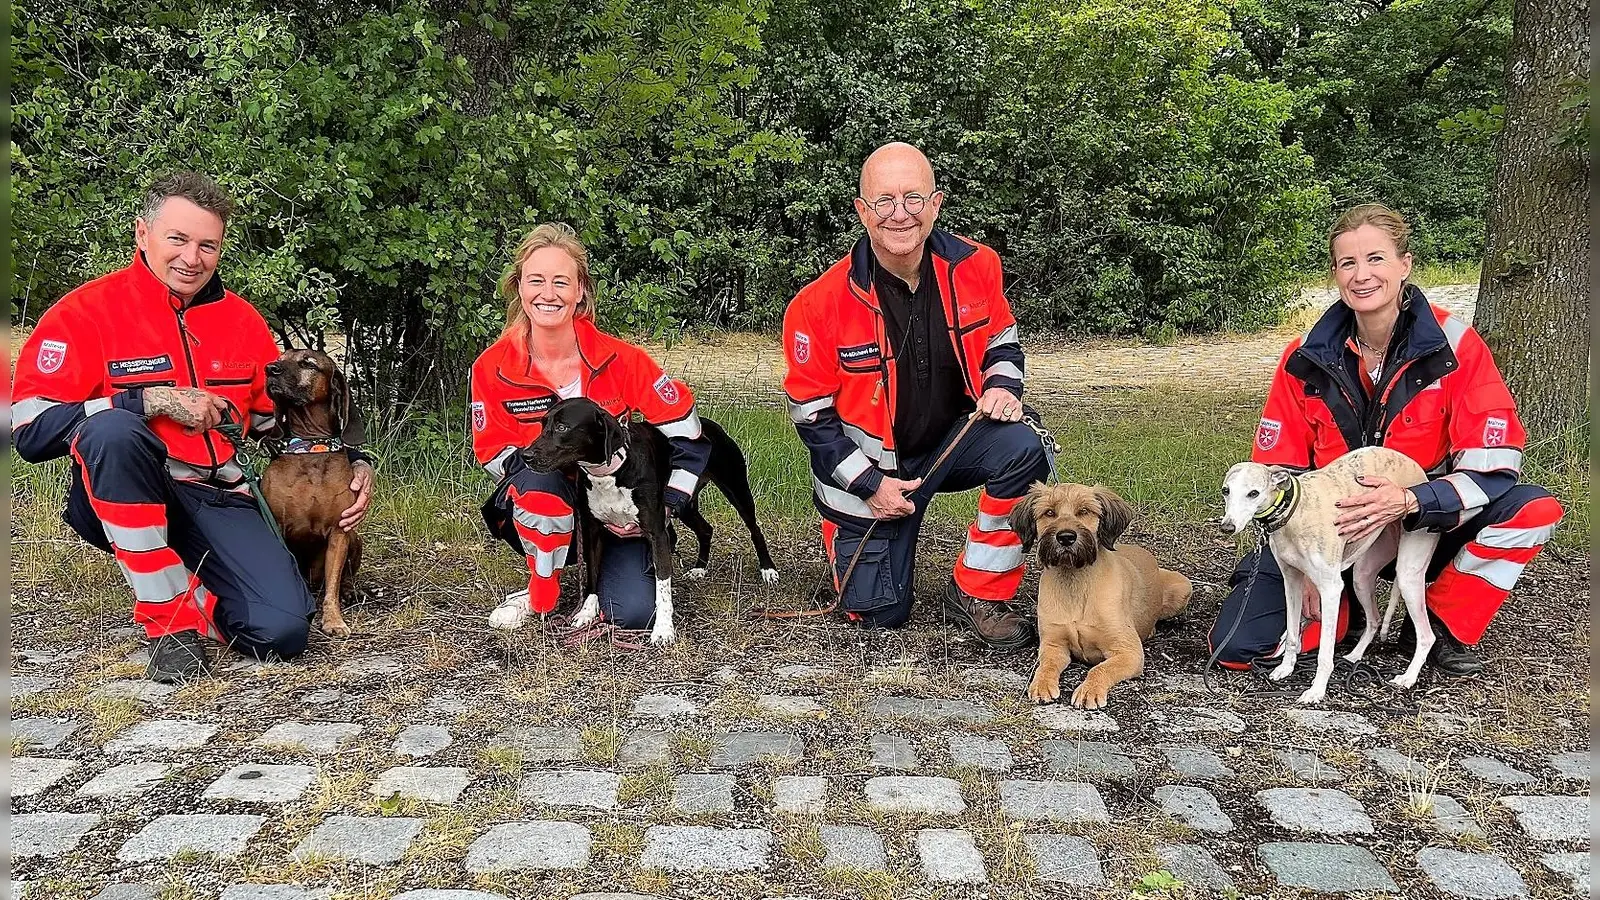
(1142, 166)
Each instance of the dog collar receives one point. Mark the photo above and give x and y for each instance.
(610, 467)
(1281, 508)
(296, 445)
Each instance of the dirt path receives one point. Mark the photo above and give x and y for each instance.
(751, 364)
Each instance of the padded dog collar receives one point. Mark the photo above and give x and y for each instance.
(297, 445)
(610, 467)
(1282, 507)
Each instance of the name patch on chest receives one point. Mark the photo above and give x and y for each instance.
(860, 357)
(530, 406)
(611, 502)
(144, 365)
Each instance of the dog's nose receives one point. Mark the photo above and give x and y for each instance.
(274, 368)
(1067, 538)
(1226, 526)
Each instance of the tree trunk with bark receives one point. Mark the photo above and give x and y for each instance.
(1533, 299)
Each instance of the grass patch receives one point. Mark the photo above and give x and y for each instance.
(600, 744)
(507, 761)
(617, 841)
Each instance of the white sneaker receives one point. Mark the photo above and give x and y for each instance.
(511, 613)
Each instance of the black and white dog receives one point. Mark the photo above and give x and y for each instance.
(579, 434)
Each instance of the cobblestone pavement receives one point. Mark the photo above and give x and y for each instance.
(444, 762)
(748, 365)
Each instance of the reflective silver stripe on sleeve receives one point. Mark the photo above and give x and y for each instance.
(1007, 336)
(100, 405)
(1515, 538)
(989, 558)
(987, 522)
(230, 477)
(682, 480)
(1472, 496)
(137, 540)
(806, 413)
(840, 501)
(1004, 370)
(1502, 573)
(543, 524)
(25, 411)
(1454, 330)
(1490, 460)
(686, 427)
(497, 467)
(846, 472)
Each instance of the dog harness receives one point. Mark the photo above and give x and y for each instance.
(1273, 516)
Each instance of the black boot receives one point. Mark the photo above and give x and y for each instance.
(176, 658)
(1449, 656)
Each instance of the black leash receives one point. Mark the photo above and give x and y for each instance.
(235, 433)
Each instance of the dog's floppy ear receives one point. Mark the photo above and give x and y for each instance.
(1022, 517)
(338, 401)
(1115, 515)
(1280, 476)
(615, 437)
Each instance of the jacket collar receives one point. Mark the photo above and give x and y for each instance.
(1416, 330)
(149, 287)
(941, 244)
(595, 348)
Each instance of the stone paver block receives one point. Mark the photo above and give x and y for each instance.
(317, 737)
(127, 779)
(798, 707)
(800, 794)
(1572, 764)
(28, 685)
(448, 894)
(530, 845)
(698, 848)
(1087, 759)
(918, 709)
(1551, 818)
(43, 734)
(915, 794)
(444, 704)
(891, 751)
(371, 840)
(852, 847)
(541, 744)
(1496, 772)
(702, 793)
(1061, 717)
(140, 689)
(428, 784)
(326, 697)
(274, 892)
(1573, 865)
(1331, 720)
(162, 734)
(129, 891)
(950, 857)
(33, 775)
(980, 753)
(262, 784)
(1398, 764)
(1308, 766)
(1198, 720)
(1063, 859)
(1196, 762)
(1330, 868)
(1191, 864)
(421, 740)
(1195, 807)
(644, 748)
(804, 673)
(49, 834)
(1052, 801)
(663, 706)
(1449, 816)
(1003, 678)
(170, 835)
(594, 790)
(742, 748)
(1482, 876)
(1315, 810)
(372, 667)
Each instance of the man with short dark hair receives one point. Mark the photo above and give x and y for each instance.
(889, 352)
(130, 375)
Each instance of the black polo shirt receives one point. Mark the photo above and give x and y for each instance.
(932, 393)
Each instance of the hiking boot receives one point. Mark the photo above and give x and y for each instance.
(1449, 656)
(998, 624)
(176, 658)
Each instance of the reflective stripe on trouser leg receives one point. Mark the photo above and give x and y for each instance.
(990, 565)
(1471, 589)
(544, 524)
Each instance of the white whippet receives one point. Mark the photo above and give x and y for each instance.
(1298, 513)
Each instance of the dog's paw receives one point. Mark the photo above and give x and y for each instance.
(1313, 695)
(335, 628)
(588, 612)
(770, 576)
(663, 635)
(695, 574)
(1284, 670)
(509, 617)
(1404, 681)
(1043, 691)
(1090, 696)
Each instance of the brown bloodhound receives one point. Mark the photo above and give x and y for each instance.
(307, 484)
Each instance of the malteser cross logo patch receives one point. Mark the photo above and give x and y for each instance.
(802, 347)
(1494, 432)
(480, 416)
(51, 355)
(1267, 433)
(667, 389)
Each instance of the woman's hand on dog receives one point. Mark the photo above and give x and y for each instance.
(361, 485)
(889, 502)
(1364, 514)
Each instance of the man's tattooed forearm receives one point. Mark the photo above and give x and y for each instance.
(170, 402)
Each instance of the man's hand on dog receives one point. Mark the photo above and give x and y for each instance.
(890, 501)
(361, 484)
(1366, 513)
(1001, 405)
(194, 409)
